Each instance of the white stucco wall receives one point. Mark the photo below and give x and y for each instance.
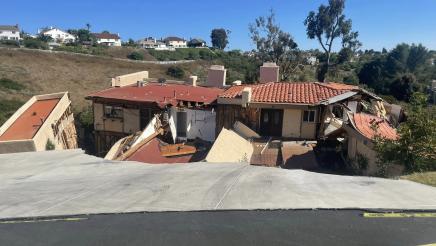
(200, 123)
(9, 35)
(291, 123)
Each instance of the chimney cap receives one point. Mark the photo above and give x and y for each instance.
(269, 64)
(217, 67)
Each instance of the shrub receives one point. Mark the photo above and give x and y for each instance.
(10, 43)
(10, 84)
(33, 43)
(135, 56)
(175, 72)
(7, 108)
(49, 145)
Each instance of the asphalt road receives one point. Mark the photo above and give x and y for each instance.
(280, 227)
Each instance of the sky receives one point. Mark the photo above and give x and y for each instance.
(380, 23)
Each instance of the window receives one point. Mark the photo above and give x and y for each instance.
(113, 112)
(309, 116)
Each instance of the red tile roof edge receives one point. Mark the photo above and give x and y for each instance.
(363, 122)
(279, 92)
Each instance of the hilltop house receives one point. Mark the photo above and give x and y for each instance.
(108, 39)
(42, 123)
(152, 43)
(134, 99)
(57, 35)
(9, 32)
(175, 42)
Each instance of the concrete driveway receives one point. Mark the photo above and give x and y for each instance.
(71, 182)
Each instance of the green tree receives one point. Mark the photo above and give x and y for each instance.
(416, 146)
(135, 55)
(219, 38)
(176, 72)
(88, 27)
(403, 87)
(328, 24)
(273, 44)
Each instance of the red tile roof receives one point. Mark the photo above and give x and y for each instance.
(363, 124)
(29, 122)
(162, 94)
(104, 35)
(290, 92)
(150, 153)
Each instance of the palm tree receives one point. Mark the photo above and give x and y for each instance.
(88, 26)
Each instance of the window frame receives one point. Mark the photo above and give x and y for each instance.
(307, 119)
(112, 114)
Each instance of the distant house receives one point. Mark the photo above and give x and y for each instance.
(108, 39)
(134, 99)
(9, 32)
(175, 42)
(197, 43)
(57, 35)
(152, 43)
(44, 122)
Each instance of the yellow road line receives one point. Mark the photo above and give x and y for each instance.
(399, 215)
(41, 220)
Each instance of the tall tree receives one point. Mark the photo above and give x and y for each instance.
(88, 27)
(415, 148)
(219, 38)
(328, 24)
(274, 44)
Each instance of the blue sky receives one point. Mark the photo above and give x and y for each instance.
(381, 23)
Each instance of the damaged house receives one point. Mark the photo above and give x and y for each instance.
(185, 108)
(293, 111)
(44, 122)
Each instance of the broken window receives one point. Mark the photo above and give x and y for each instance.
(113, 112)
(309, 116)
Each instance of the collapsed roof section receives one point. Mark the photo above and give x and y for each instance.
(163, 94)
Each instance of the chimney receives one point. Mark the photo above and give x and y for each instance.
(246, 96)
(269, 72)
(216, 77)
(192, 80)
(237, 82)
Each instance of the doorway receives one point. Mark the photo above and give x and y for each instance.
(271, 122)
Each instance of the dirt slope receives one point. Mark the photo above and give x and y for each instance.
(43, 72)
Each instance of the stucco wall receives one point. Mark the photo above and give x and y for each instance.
(130, 123)
(291, 123)
(308, 130)
(357, 145)
(200, 123)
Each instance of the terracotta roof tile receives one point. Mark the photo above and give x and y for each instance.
(364, 122)
(290, 92)
(161, 94)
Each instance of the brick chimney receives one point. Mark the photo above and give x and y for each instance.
(269, 72)
(216, 77)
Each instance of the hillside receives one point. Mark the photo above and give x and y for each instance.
(41, 72)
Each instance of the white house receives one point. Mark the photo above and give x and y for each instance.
(176, 42)
(153, 43)
(57, 35)
(108, 39)
(9, 32)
